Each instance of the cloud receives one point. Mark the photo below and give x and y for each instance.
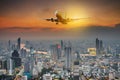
(91, 32)
(47, 28)
(26, 29)
(20, 28)
(104, 31)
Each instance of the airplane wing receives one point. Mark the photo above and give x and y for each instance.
(52, 20)
(78, 19)
(48, 19)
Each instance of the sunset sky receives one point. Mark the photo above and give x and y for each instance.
(25, 18)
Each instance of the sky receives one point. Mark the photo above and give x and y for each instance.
(25, 18)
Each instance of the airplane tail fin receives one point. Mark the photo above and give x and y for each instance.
(58, 15)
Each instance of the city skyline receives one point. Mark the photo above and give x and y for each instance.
(59, 40)
(61, 60)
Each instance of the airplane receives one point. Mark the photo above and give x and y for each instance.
(60, 19)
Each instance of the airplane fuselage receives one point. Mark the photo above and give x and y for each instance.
(60, 19)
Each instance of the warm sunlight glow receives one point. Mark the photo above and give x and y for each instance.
(77, 13)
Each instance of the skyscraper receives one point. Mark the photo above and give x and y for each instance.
(99, 46)
(58, 47)
(53, 52)
(10, 66)
(3, 64)
(117, 51)
(97, 43)
(23, 53)
(16, 59)
(9, 45)
(56, 51)
(62, 45)
(27, 65)
(68, 57)
(18, 43)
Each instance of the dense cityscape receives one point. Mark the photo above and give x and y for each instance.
(59, 60)
(59, 40)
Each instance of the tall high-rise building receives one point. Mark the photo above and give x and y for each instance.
(62, 45)
(97, 43)
(27, 65)
(117, 51)
(3, 64)
(58, 47)
(68, 57)
(99, 46)
(10, 66)
(53, 52)
(9, 45)
(32, 60)
(16, 59)
(56, 51)
(23, 53)
(13, 47)
(76, 70)
(18, 43)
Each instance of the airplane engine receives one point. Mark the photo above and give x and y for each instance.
(52, 19)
